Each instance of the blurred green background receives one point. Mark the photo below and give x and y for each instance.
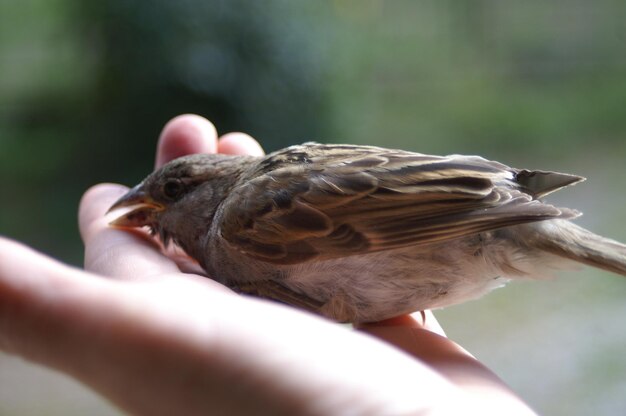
(85, 88)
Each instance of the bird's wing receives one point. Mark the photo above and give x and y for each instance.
(323, 201)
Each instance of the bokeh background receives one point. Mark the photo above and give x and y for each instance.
(85, 88)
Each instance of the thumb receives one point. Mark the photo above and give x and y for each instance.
(109, 251)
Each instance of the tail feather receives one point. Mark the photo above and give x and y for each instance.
(566, 239)
(540, 183)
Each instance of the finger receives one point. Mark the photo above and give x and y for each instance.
(239, 144)
(422, 319)
(125, 254)
(410, 335)
(38, 295)
(184, 135)
(424, 339)
(418, 334)
(430, 322)
(449, 359)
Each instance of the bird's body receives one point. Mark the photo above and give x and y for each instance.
(361, 233)
(380, 285)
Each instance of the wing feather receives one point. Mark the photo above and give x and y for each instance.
(325, 201)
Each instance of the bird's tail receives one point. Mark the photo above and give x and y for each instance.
(566, 239)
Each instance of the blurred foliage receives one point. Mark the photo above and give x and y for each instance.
(87, 86)
(471, 75)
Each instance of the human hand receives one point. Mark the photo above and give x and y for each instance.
(157, 341)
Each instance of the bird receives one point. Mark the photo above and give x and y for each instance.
(362, 233)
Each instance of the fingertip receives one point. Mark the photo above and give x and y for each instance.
(239, 144)
(113, 252)
(431, 323)
(8, 245)
(183, 135)
(95, 202)
(419, 320)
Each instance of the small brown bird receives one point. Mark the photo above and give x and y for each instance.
(360, 233)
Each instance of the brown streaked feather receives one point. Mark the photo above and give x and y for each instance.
(343, 200)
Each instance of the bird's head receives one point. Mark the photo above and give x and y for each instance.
(178, 201)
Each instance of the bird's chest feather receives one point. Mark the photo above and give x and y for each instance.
(388, 283)
(385, 284)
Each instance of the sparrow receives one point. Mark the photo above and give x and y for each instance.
(362, 233)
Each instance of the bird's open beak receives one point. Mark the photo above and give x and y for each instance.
(143, 214)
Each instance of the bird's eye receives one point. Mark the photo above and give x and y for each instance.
(173, 189)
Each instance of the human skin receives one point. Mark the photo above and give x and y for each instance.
(155, 340)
